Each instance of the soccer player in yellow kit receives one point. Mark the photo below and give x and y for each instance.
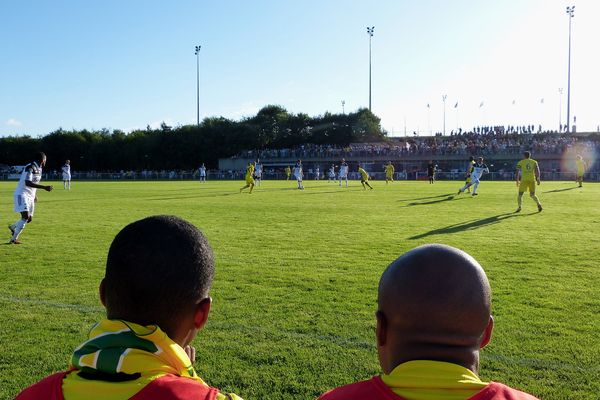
(364, 178)
(469, 170)
(288, 172)
(528, 173)
(389, 173)
(249, 178)
(580, 170)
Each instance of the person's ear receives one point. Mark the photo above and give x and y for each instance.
(201, 311)
(487, 333)
(102, 291)
(381, 330)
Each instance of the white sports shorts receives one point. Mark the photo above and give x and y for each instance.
(24, 203)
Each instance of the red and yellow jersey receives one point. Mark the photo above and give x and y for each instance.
(527, 167)
(426, 380)
(122, 360)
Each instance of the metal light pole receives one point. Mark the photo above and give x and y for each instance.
(370, 33)
(197, 84)
(570, 12)
(560, 92)
(444, 100)
(343, 104)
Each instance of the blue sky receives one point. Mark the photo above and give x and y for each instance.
(128, 64)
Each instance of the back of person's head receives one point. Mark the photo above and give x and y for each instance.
(156, 269)
(434, 304)
(527, 154)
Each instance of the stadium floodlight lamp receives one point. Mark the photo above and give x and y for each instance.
(570, 12)
(198, 84)
(370, 33)
(444, 100)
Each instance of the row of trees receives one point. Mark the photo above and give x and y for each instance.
(186, 146)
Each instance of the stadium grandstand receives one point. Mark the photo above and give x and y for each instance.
(556, 154)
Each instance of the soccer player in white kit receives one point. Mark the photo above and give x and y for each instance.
(298, 174)
(66, 174)
(317, 173)
(25, 197)
(258, 170)
(331, 173)
(343, 173)
(479, 168)
(202, 170)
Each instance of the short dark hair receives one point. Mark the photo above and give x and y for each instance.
(527, 154)
(39, 156)
(156, 268)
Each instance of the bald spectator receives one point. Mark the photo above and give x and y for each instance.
(433, 319)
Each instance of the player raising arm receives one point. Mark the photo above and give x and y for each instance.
(25, 195)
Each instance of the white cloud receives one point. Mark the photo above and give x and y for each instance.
(13, 122)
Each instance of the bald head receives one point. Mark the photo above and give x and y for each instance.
(435, 301)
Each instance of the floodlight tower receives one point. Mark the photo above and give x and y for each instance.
(444, 100)
(370, 33)
(343, 104)
(197, 53)
(570, 13)
(560, 92)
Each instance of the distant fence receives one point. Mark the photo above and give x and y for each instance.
(510, 176)
(239, 175)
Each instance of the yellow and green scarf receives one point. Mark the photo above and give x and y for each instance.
(120, 358)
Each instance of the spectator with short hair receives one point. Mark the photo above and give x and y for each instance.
(433, 318)
(159, 271)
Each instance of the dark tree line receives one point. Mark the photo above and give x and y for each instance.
(186, 146)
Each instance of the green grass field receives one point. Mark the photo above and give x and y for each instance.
(297, 272)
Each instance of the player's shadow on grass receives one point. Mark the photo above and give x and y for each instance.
(562, 190)
(430, 197)
(425, 203)
(469, 225)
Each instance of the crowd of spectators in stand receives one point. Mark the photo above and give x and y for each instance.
(481, 141)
